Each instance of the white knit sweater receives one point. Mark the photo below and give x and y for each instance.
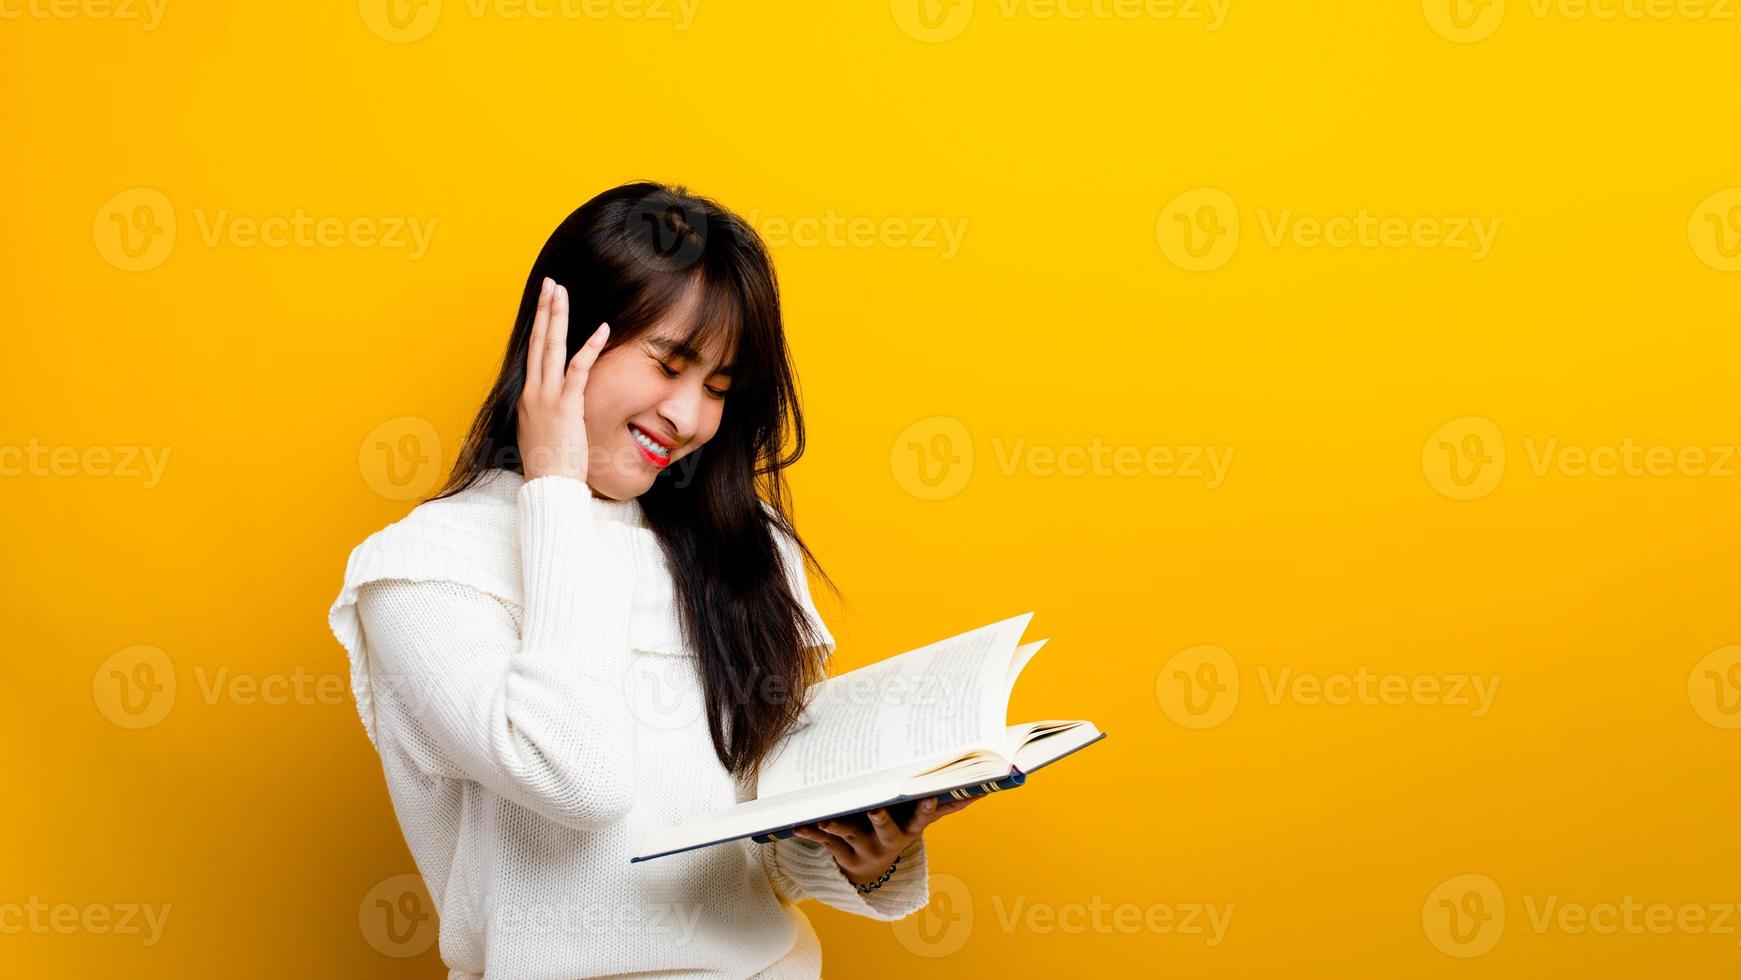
(517, 661)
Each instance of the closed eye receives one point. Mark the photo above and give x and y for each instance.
(670, 372)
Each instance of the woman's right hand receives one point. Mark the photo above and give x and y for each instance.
(552, 418)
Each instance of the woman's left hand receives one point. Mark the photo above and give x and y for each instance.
(863, 848)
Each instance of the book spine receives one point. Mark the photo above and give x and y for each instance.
(1014, 779)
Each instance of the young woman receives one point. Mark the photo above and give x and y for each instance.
(616, 522)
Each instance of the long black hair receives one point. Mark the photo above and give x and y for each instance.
(628, 257)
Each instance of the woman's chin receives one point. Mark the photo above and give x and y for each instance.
(619, 487)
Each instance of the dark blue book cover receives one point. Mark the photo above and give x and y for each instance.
(1014, 779)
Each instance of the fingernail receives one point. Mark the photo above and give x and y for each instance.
(544, 290)
(930, 804)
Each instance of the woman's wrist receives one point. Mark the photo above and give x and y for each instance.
(906, 858)
(866, 887)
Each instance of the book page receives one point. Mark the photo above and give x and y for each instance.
(770, 813)
(1024, 653)
(915, 710)
(807, 806)
(1044, 742)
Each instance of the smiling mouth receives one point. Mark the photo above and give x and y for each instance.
(655, 451)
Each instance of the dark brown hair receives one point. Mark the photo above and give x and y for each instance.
(628, 257)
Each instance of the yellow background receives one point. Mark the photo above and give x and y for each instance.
(1604, 769)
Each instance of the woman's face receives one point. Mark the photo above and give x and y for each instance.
(649, 403)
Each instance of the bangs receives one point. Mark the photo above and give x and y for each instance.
(710, 317)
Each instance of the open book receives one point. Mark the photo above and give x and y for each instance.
(928, 722)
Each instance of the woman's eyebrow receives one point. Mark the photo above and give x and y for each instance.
(672, 348)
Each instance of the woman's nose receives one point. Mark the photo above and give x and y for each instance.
(683, 410)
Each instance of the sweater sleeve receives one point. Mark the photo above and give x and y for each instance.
(534, 712)
(799, 869)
